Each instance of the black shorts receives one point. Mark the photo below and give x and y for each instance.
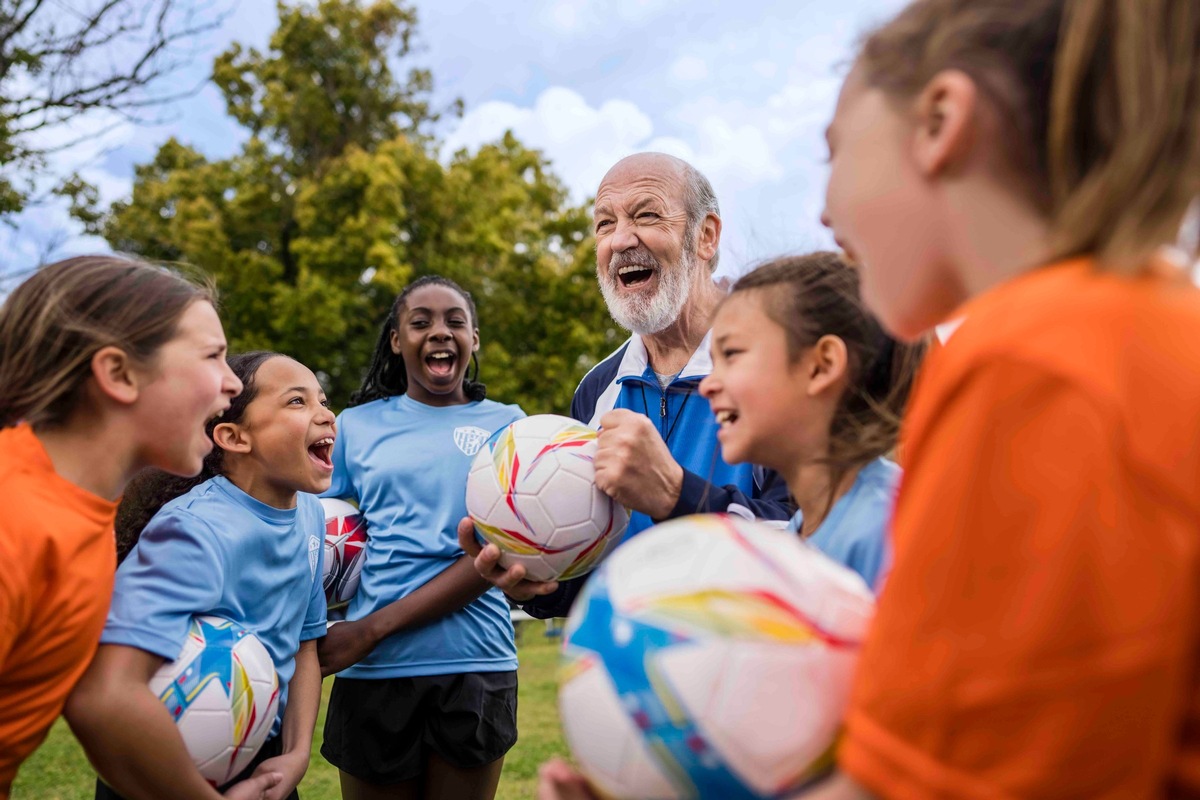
(382, 731)
(270, 749)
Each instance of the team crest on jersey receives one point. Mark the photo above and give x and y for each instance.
(469, 439)
(314, 552)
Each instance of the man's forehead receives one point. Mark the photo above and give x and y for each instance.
(625, 188)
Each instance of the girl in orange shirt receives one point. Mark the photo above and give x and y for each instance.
(1024, 166)
(107, 365)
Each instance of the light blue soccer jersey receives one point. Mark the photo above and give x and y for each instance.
(216, 550)
(856, 531)
(406, 465)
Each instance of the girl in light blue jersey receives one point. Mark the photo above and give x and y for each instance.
(805, 382)
(243, 541)
(424, 704)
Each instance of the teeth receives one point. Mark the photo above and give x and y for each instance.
(632, 268)
(441, 355)
(725, 417)
(322, 442)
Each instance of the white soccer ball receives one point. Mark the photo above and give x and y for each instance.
(531, 492)
(345, 550)
(223, 693)
(711, 656)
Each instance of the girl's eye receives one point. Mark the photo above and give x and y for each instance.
(296, 401)
(419, 323)
(324, 402)
(728, 354)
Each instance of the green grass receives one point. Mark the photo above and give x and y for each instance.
(59, 770)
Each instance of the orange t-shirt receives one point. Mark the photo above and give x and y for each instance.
(57, 559)
(1038, 637)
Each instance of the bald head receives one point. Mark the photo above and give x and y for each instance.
(694, 190)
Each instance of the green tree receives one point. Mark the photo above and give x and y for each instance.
(337, 200)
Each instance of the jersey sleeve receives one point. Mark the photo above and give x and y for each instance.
(342, 485)
(315, 620)
(1024, 645)
(173, 572)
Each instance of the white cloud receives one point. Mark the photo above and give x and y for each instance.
(582, 141)
(689, 68)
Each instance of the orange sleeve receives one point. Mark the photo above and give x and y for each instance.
(1029, 641)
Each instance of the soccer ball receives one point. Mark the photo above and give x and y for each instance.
(531, 492)
(345, 550)
(223, 693)
(711, 656)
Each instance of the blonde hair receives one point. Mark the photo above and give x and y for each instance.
(1102, 98)
(53, 323)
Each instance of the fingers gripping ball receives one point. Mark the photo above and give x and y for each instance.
(711, 656)
(223, 693)
(532, 493)
(345, 550)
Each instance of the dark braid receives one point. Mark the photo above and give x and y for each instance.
(151, 489)
(387, 376)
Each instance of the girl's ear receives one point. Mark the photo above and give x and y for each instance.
(395, 339)
(475, 340)
(946, 121)
(827, 364)
(231, 437)
(116, 376)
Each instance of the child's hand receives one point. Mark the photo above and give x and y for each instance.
(345, 644)
(254, 787)
(487, 562)
(634, 466)
(557, 780)
(291, 766)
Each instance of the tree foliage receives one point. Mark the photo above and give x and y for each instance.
(337, 200)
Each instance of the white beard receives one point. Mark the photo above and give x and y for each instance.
(648, 315)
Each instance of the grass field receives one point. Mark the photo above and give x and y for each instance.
(59, 771)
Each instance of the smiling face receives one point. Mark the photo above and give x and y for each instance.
(884, 211)
(190, 383)
(435, 335)
(289, 430)
(645, 269)
(757, 388)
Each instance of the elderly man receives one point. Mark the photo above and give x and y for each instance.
(657, 228)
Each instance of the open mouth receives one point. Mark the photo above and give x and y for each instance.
(441, 363)
(725, 417)
(634, 275)
(321, 451)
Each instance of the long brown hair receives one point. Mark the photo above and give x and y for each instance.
(1101, 98)
(54, 322)
(817, 295)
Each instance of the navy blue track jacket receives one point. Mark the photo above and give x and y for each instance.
(625, 380)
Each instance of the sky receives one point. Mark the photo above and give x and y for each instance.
(743, 90)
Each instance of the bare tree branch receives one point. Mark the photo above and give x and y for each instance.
(60, 59)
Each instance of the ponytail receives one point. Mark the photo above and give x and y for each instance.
(1099, 101)
(818, 295)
